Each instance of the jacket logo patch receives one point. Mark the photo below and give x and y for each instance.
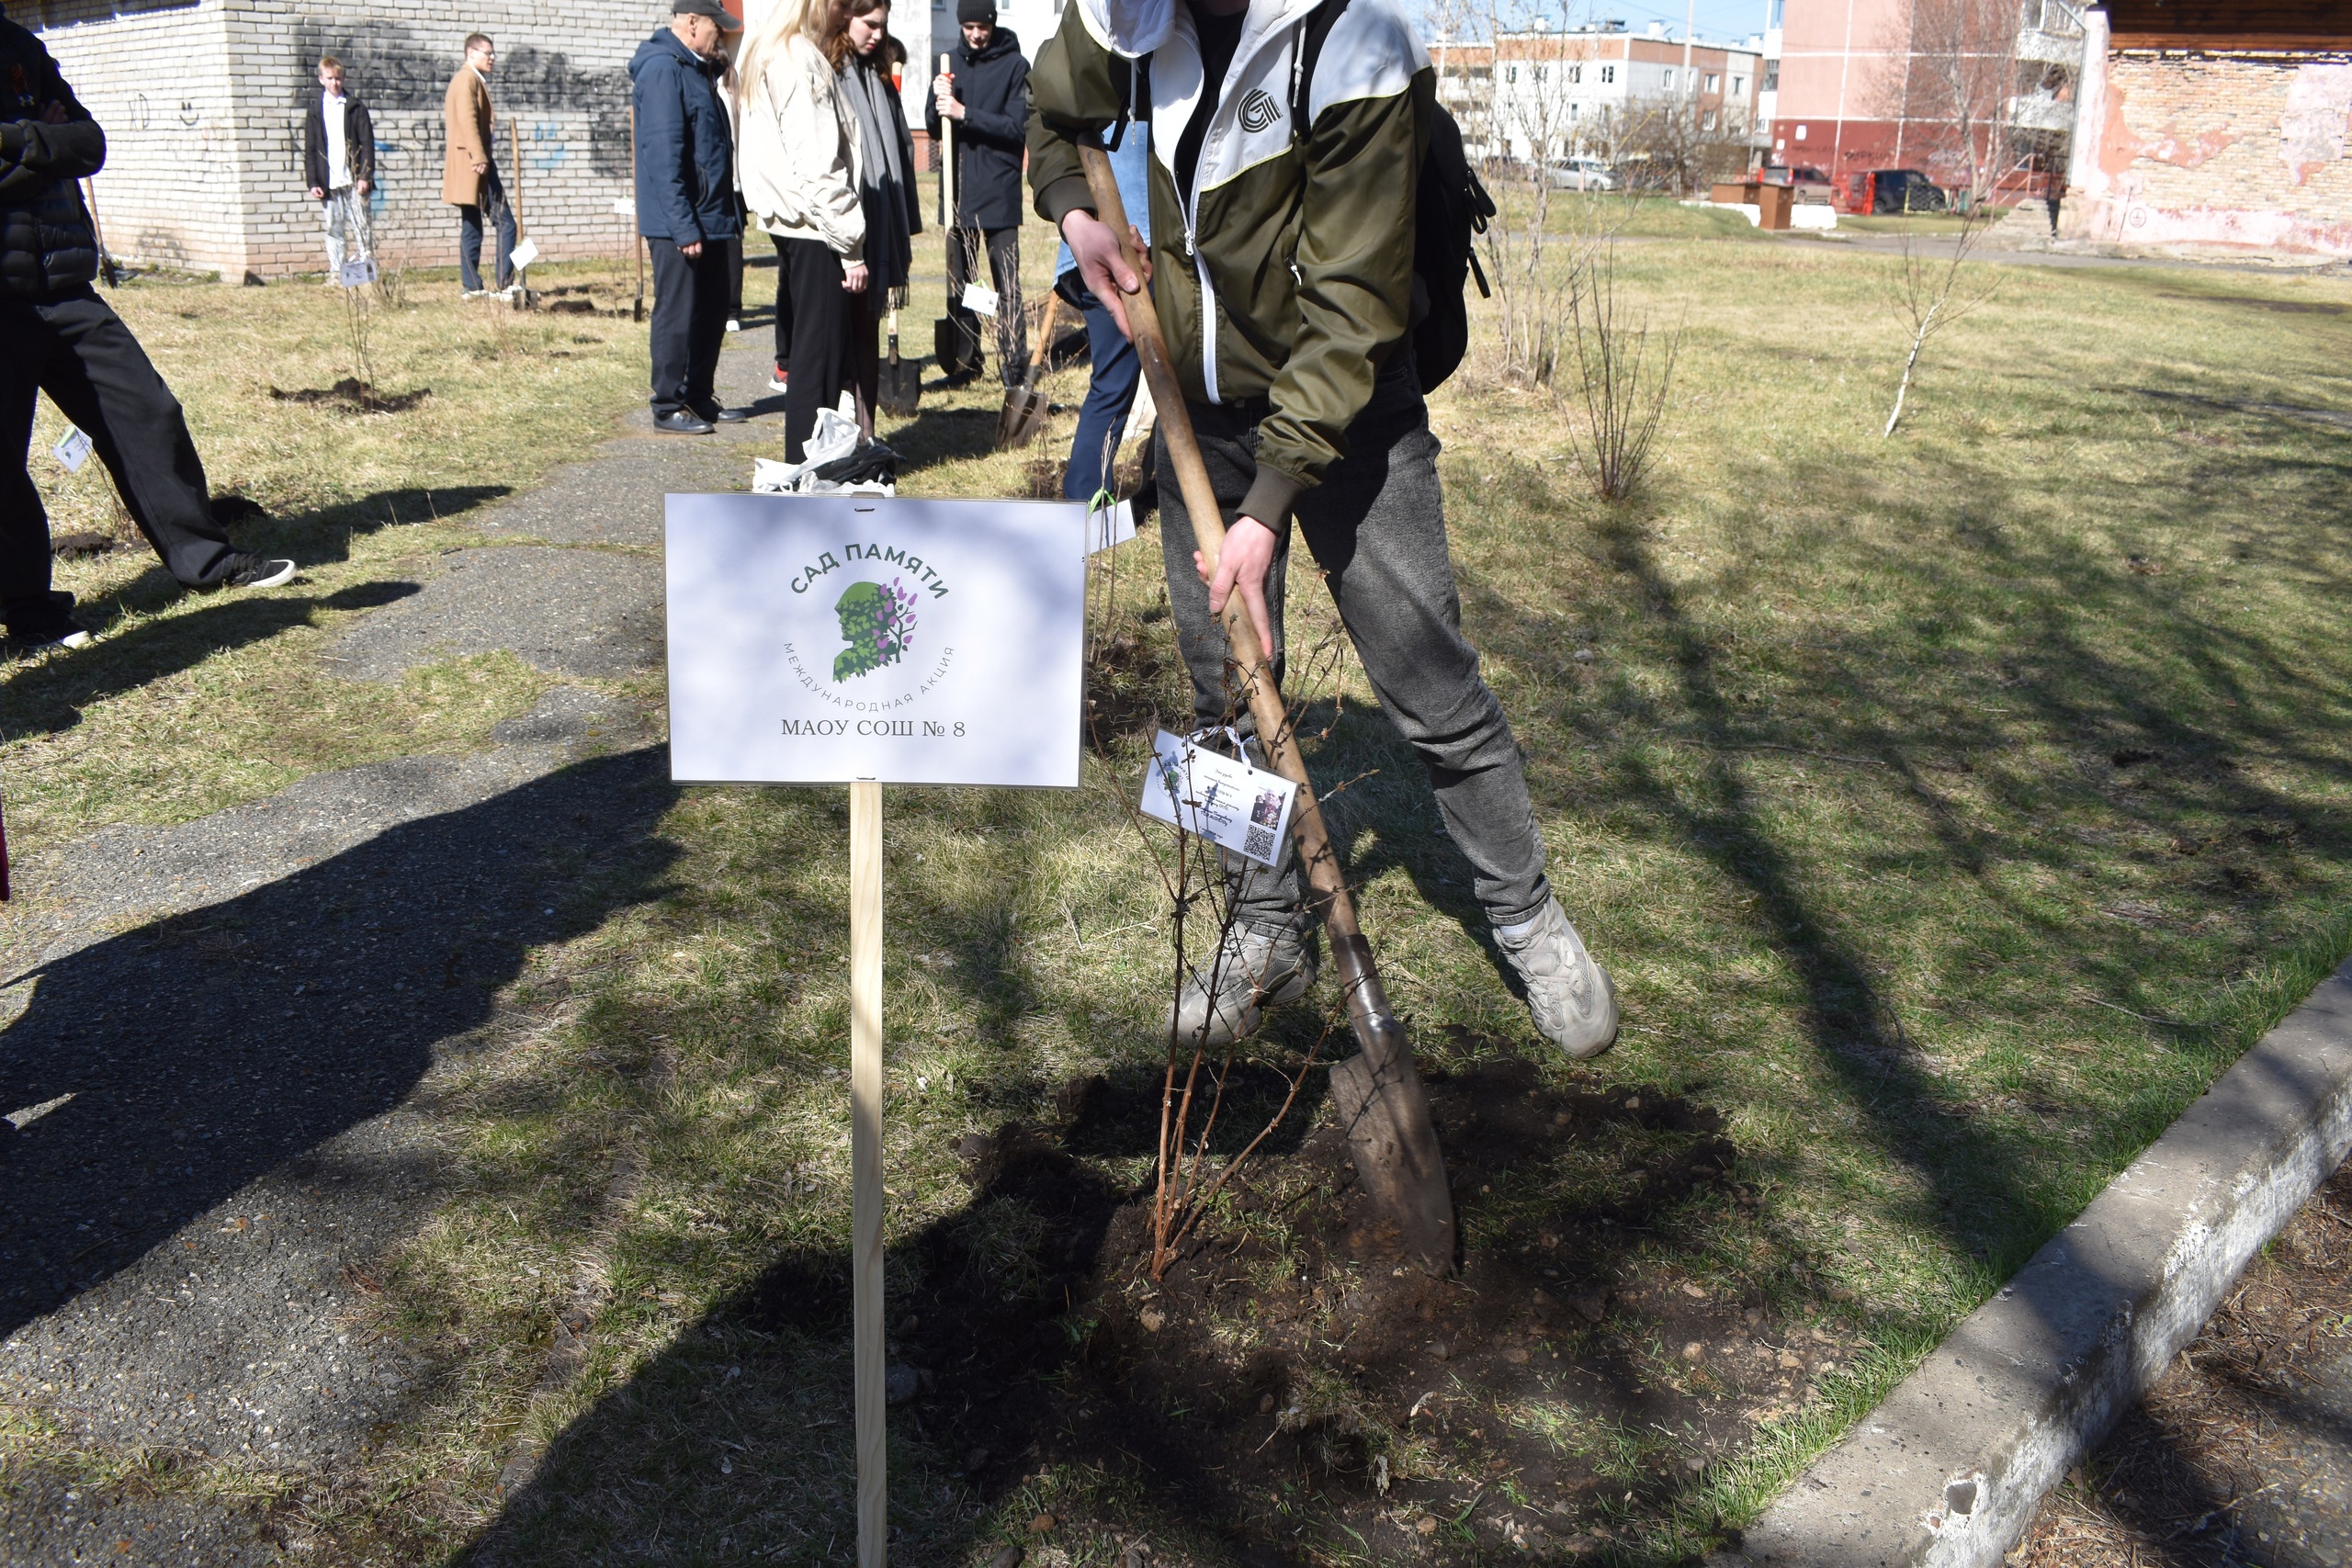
(1259, 110)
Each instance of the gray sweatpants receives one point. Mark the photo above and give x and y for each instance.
(1376, 526)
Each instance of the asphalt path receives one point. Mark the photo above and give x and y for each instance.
(220, 1041)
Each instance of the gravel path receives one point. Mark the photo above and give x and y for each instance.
(220, 1039)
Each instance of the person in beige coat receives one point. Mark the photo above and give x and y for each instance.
(470, 166)
(800, 155)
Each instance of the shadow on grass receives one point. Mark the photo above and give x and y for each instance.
(50, 696)
(47, 694)
(1030, 1331)
(204, 1050)
(2166, 709)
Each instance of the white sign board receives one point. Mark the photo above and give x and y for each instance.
(816, 640)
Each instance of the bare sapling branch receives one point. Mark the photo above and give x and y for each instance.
(1615, 400)
(1935, 288)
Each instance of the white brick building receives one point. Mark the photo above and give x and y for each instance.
(203, 103)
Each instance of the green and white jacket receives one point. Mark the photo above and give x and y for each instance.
(1286, 275)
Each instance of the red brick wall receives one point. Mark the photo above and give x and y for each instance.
(2221, 151)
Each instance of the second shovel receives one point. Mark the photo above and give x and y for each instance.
(1025, 406)
(899, 386)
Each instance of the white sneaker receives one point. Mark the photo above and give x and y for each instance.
(1252, 970)
(1574, 1001)
(775, 383)
(733, 325)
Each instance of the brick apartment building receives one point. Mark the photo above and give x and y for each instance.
(1557, 95)
(203, 103)
(2207, 124)
(1870, 85)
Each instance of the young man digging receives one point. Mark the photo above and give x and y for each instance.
(1281, 264)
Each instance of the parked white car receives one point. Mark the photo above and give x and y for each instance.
(1581, 174)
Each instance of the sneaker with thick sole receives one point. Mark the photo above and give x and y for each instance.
(1574, 1001)
(249, 570)
(1253, 968)
(777, 383)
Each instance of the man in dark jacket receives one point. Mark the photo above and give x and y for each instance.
(339, 165)
(986, 95)
(686, 209)
(57, 336)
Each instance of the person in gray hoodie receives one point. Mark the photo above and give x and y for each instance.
(686, 209)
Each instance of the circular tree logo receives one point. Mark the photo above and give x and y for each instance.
(878, 623)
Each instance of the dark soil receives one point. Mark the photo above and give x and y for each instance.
(73, 547)
(1290, 1390)
(357, 396)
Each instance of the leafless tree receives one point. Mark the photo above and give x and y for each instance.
(1936, 289)
(1954, 79)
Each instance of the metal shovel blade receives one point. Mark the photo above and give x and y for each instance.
(902, 386)
(1024, 415)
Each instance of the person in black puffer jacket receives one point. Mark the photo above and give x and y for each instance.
(61, 339)
(987, 96)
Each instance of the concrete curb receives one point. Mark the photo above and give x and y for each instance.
(1948, 1470)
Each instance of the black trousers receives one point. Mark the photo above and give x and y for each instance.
(689, 325)
(77, 350)
(783, 307)
(1008, 334)
(820, 312)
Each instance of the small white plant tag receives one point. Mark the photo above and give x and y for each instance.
(980, 301)
(1109, 526)
(624, 208)
(358, 271)
(1231, 803)
(73, 450)
(524, 255)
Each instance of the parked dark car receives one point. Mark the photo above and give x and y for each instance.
(1879, 191)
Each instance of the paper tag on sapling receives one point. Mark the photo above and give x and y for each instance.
(523, 255)
(1229, 803)
(980, 301)
(74, 450)
(359, 272)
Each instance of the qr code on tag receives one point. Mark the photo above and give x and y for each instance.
(1259, 845)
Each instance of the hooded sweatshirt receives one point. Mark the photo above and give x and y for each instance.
(1283, 266)
(992, 83)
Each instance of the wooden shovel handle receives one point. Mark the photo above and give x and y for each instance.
(1368, 1010)
(1044, 337)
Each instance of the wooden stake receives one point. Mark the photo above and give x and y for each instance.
(865, 1164)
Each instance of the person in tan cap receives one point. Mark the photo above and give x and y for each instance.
(469, 167)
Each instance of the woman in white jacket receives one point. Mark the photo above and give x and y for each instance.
(800, 168)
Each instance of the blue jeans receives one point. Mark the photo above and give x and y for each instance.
(469, 234)
(1109, 393)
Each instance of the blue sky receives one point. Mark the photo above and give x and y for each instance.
(1717, 18)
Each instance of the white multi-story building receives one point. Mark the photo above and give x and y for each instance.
(1544, 95)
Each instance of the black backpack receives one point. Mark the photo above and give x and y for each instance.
(1451, 210)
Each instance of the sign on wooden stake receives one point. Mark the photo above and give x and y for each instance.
(865, 640)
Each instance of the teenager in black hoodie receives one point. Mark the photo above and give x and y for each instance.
(986, 95)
